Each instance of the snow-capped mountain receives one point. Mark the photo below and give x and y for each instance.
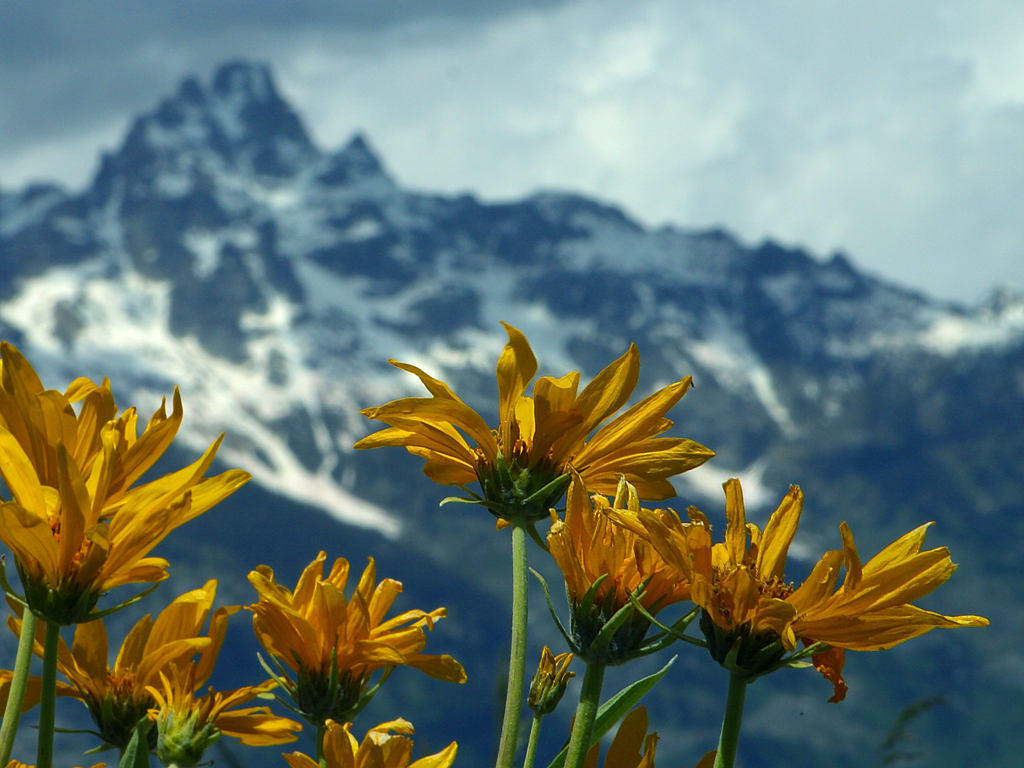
(220, 250)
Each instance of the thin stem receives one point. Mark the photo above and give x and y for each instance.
(586, 711)
(517, 655)
(730, 735)
(321, 758)
(531, 745)
(19, 681)
(48, 699)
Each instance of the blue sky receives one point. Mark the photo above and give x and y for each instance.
(891, 131)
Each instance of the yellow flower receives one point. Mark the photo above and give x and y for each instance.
(603, 565)
(118, 697)
(625, 749)
(79, 525)
(386, 746)
(187, 725)
(333, 643)
(633, 747)
(741, 586)
(539, 438)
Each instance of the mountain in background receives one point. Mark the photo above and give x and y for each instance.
(220, 250)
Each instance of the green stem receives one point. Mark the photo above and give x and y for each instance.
(531, 745)
(586, 711)
(19, 681)
(517, 655)
(730, 735)
(48, 697)
(321, 758)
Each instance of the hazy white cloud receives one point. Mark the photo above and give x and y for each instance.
(892, 131)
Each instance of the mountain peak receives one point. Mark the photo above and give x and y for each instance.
(246, 102)
(250, 81)
(354, 162)
(237, 120)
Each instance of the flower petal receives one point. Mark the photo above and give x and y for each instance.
(778, 534)
(431, 410)
(830, 664)
(516, 366)
(641, 421)
(736, 523)
(19, 474)
(31, 539)
(442, 759)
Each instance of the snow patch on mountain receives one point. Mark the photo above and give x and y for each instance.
(993, 327)
(206, 246)
(123, 322)
(787, 290)
(727, 355)
(607, 234)
(18, 211)
(191, 131)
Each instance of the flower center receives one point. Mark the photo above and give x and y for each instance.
(773, 588)
(79, 556)
(122, 686)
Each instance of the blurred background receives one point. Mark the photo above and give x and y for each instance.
(808, 208)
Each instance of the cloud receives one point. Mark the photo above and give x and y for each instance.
(75, 72)
(892, 131)
(881, 130)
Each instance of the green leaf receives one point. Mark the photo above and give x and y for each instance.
(279, 676)
(604, 637)
(587, 603)
(551, 608)
(558, 485)
(677, 630)
(613, 710)
(130, 601)
(531, 528)
(136, 754)
(458, 500)
(7, 588)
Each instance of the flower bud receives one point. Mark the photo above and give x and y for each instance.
(548, 685)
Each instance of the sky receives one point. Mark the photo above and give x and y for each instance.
(893, 132)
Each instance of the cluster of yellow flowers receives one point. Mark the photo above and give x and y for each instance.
(82, 520)
(81, 523)
(623, 563)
